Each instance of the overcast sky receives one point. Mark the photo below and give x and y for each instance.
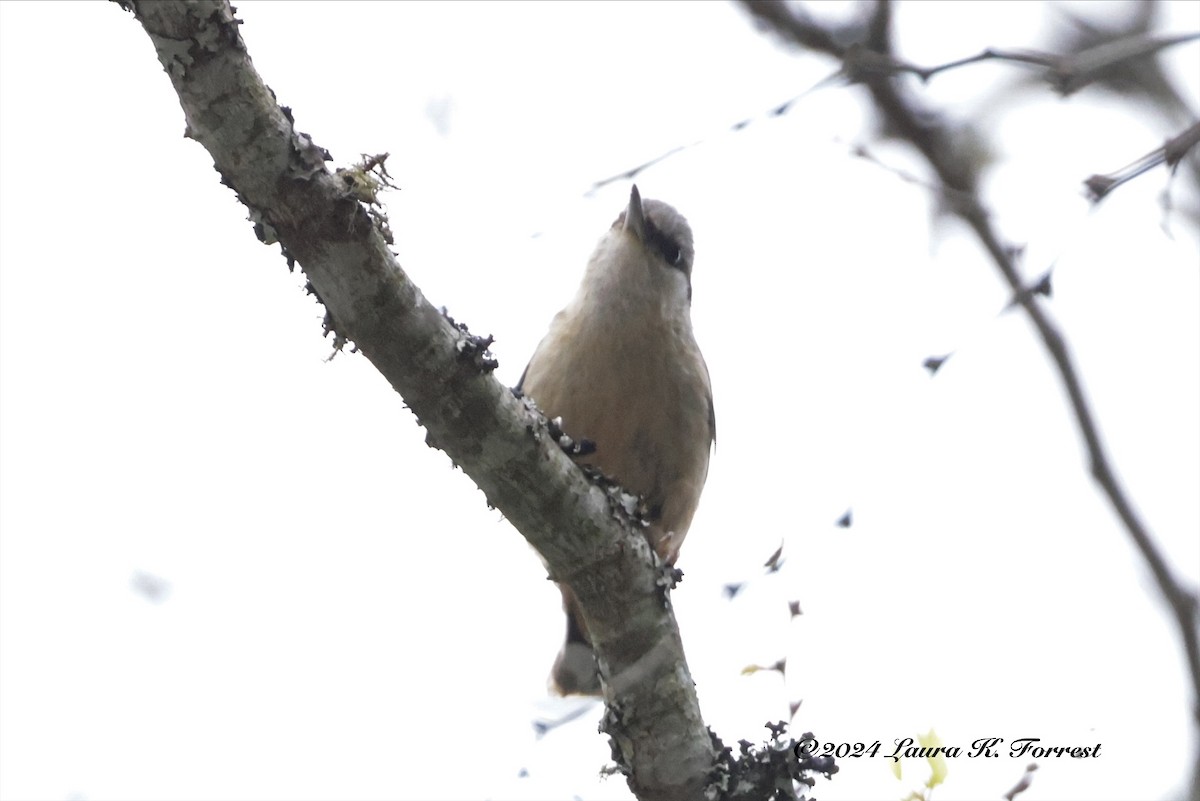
(231, 569)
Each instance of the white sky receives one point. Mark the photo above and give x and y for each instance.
(344, 616)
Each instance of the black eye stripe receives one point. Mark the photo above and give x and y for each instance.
(665, 246)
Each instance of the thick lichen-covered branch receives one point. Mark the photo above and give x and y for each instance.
(329, 227)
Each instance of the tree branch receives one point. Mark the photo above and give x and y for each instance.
(1066, 73)
(444, 375)
(1171, 153)
(958, 177)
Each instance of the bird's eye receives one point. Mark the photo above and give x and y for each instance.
(667, 247)
(671, 253)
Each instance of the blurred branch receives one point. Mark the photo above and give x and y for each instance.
(1066, 73)
(1171, 154)
(795, 24)
(633, 172)
(959, 179)
(802, 29)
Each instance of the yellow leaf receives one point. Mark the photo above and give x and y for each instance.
(937, 764)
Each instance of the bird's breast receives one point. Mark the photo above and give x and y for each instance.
(639, 392)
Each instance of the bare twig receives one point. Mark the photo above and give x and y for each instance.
(1034, 57)
(935, 142)
(633, 172)
(1171, 153)
(1067, 73)
(796, 25)
(1079, 69)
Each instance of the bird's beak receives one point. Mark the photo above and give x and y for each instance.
(635, 218)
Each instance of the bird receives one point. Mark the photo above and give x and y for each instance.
(620, 369)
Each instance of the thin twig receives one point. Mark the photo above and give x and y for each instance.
(935, 143)
(1069, 73)
(1171, 153)
(632, 172)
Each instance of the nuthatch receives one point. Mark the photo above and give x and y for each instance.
(621, 368)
